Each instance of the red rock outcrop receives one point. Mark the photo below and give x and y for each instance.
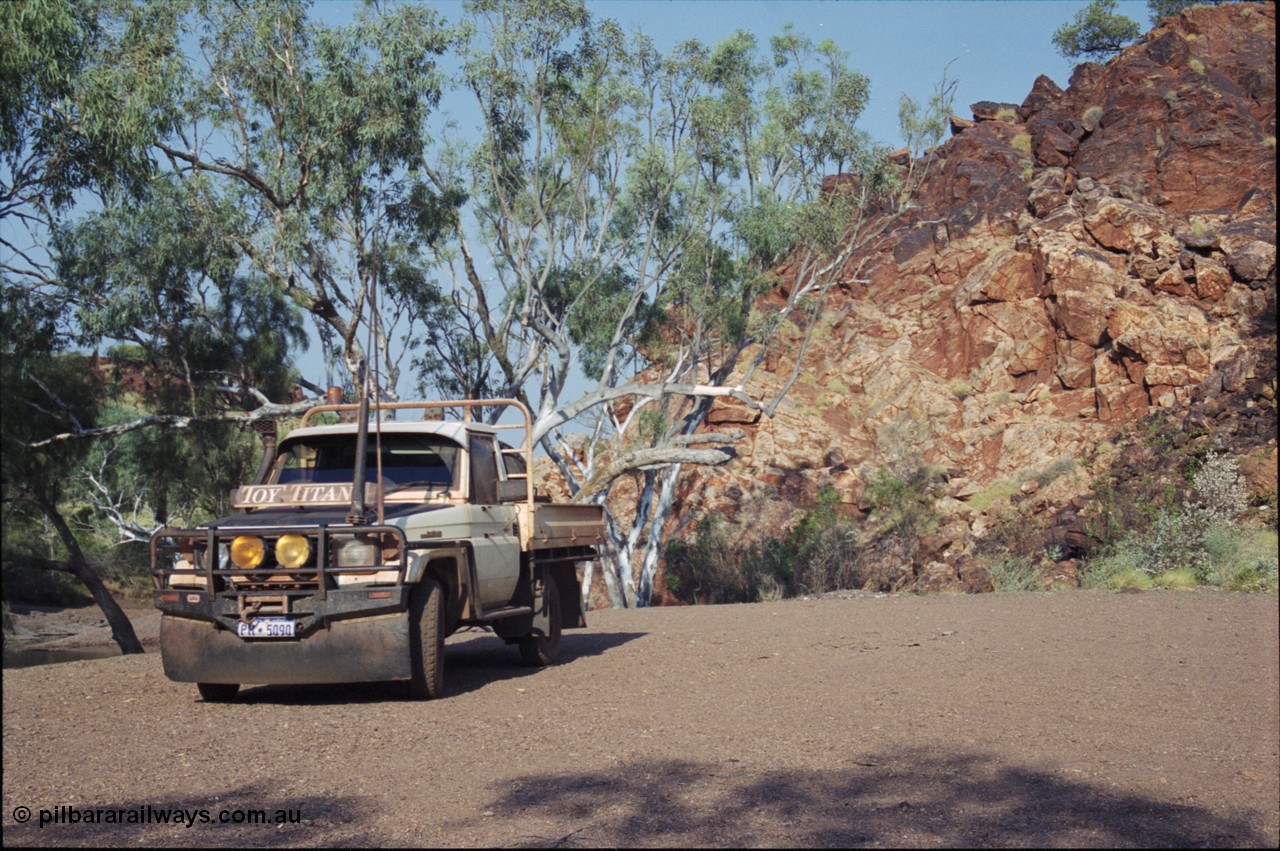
(1071, 263)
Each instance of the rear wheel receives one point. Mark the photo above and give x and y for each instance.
(426, 640)
(541, 647)
(218, 692)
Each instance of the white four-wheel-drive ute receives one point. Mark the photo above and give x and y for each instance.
(316, 580)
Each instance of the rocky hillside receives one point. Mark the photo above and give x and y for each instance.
(1085, 261)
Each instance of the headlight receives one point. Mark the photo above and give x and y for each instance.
(247, 551)
(358, 551)
(292, 550)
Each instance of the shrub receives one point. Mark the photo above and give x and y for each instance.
(1130, 579)
(1173, 541)
(1064, 465)
(996, 492)
(1108, 562)
(707, 568)
(822, 547)
(1016, 573)
(816, 555)
(904, 505)
(1242, 559)
(1179, 577)
(1201, 541)
(1196, 65)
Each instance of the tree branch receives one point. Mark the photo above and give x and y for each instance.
(268, 411)
(676, 451)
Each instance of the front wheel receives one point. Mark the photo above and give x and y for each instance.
(541, 647)
(426, 640)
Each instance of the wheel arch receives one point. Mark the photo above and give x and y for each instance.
(452, 568)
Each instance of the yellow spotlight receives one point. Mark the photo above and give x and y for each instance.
(292, 550)
(247, 551)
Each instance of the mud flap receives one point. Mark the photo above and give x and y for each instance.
(572, 615)
(349, 651)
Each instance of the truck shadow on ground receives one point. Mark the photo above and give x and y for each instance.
(906, 798)
(472, 661)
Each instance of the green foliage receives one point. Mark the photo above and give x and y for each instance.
(679, 183)
(904, 505)
(816, 555)
(1242, 559)
(599, 305)
(1200, 539)
(166, 274)
(1016, 573)
(1177, 578)
(1096, 32)
(924, 127)
(87, 85)
(47, 392)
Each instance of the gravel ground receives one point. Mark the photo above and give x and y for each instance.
(1040, 720)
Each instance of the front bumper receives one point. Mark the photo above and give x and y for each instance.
(344, 651)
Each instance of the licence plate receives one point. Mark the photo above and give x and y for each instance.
(266, 628)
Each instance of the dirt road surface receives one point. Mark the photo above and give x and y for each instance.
(1036, 720)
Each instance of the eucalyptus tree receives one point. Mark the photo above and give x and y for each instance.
(923, 127)
(241, 166)
(312, 131)
(282, 142)
(83, 88)
(625, 210)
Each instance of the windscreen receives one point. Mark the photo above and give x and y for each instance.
(407, 460)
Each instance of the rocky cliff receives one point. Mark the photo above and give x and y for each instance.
(1071, 265)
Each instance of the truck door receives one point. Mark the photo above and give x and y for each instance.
(495, 538)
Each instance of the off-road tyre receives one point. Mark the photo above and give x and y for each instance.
(218, 692)
(426, 640)
(541, 647)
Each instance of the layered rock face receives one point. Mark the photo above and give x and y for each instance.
(1069, 265)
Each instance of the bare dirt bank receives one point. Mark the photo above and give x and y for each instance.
(1068, 719)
